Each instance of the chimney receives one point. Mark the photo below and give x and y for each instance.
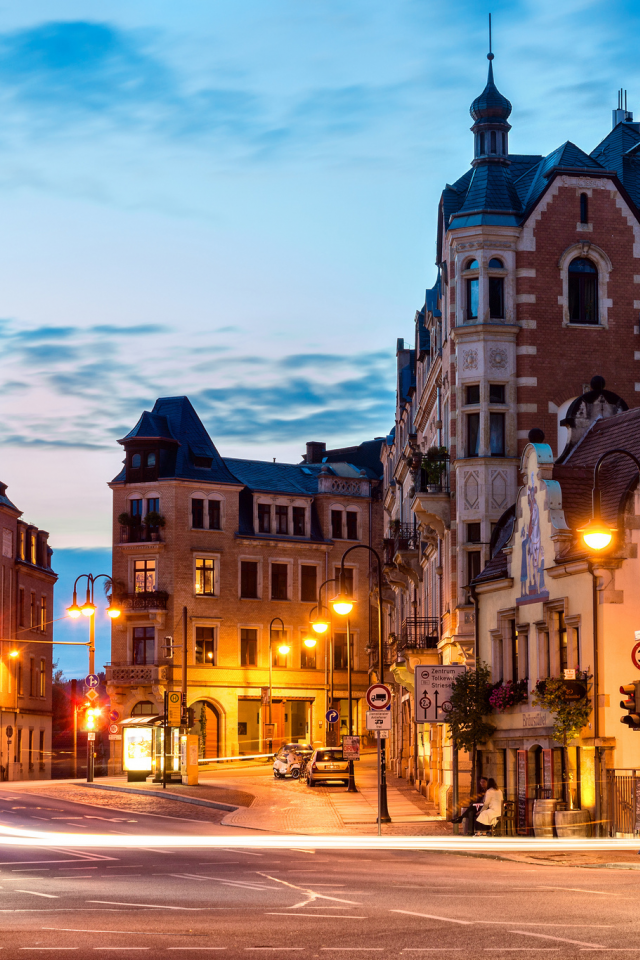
(621, 114)
(315, 452)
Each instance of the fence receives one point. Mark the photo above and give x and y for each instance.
(623, 801)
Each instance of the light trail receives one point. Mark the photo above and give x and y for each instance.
(23, 837)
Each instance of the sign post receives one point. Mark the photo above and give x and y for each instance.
(379, 720)
(433, 691)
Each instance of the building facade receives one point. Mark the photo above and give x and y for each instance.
(26, 615)
(239, 544)
(538, 288)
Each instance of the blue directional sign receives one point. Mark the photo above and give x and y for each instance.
(332, 716)
(93, 680)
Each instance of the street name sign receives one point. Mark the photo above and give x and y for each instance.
(433, 691)
(378, 696)
(332, 716)
(378, 720)
(93, 680)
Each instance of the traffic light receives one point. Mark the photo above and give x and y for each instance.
(191, 717)
(90, 716)
(631, 703)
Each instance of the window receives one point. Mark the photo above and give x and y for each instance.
(496, 434)
(336, 524)
(307, 658)
(583, 291)
(496, 298)
(494, 148)
(144, 576)
(136, 461)
(248, 648)
(584, 208)
(562, 642)
(23, 540)
(264, 518)
(249, 579)
(352, 525)
(43, 678)
(17, 755)
(21, 606)
(205, 646)
(473, 533)
(153, 505)
(348, 579)
(496, 393)
(472, 265)
(197, 513)
(30, 750)
(473, 564)
(214, 515)
(136, 508)
(205, 576)
(473, 434)
(473, 290)
(282, 519)
(513, 640)
(32, 677)
(41, 750)
(7, 543)
(299, 521)
(151, 459)
(279, 638)
(495, 264)
(481, 144)
(472, 393)
(308, 584)
(339, 651)
(143, 708)
(143, 645)
(43, 614)
(33, 556)
(33, 621)
(279, 581)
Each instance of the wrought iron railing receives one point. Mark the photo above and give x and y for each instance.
(141, 533)
(388, 652)
(623, 801)
(402, 537)
(153, 600)
(433, 476)
(419, 633)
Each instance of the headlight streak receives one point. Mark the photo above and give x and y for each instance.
(19, 837)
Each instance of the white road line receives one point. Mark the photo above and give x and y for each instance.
(196, 948)
(49, 948)
(247, 884)
(77, 868)
(547, 936)
(603, 893)
(354, 948)
(432, 916)
(432, 949)
(330, 916)
(309, 893)
(149, 906)
(275, 948)
(121, 948)
(34, 893)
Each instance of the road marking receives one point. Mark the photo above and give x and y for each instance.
(231, 883)
(310, 893)
(196, 948)
(121, 948)
(246, 853)
(34, 893)
(77, 868)
(275, 948)
(354, 948)
(150, 906)
(547, 936)
(432, 916)
(330, 916)
(48, 948)
(603, 893)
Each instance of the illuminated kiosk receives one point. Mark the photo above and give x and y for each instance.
(143, 749)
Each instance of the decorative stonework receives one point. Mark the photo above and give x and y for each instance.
(471, 489)
(469, 359)
(498, 358)
(498, 489)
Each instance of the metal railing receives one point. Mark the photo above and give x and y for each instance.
(434, 476)
(419, 633)
(623, 800)
(402, 538)
(153, 600)
(388, 653)
(141, 533)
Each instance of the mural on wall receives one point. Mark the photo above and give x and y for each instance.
(532, 587)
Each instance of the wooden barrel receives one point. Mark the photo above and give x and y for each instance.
(573, 823)
(544, 817)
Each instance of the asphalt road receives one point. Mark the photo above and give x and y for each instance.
(312, 904)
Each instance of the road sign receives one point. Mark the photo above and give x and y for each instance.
(378, 696)
(382, 734)
(635, 656)
(91, 735)
(9, 732)
(93, 680)
(378, 720)
(113, 728)
(174, 709)
(115, 736)
(91, 693)
(433, 691)
(351, 748)
(332, 716)
(114, 715)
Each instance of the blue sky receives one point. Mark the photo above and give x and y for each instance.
(237, 201)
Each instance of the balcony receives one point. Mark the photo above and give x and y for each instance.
(432, 494)
(136, 673)
(419, 633)
(388, 653)
(155, 600)
(141, 533)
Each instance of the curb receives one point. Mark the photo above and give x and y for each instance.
(163, 796)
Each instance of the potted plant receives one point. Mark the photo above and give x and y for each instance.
(509, 694)
(433, 466)
(153, 521)
(126, 521)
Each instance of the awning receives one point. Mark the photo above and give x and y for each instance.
(150, 721)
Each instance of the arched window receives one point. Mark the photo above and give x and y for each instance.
(496, 264)
(583, 291)
(481, 144)
(144, 708)
(151, 459)
(584, 208)
(136, 461)
(473, 292)
(494, 146)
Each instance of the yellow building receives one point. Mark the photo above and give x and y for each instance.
(548, 604)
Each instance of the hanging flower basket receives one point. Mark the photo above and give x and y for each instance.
(510, 694)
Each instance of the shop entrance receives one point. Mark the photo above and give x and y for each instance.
(249, 726)
(297, 719)
(207, 729)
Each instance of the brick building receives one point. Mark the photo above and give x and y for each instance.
(538, 288)
(238, 542)
(26, 605)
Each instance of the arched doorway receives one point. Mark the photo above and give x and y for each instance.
(207, 728)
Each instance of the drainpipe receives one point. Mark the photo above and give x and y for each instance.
(439, 413)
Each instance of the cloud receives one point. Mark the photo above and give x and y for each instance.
(133, 330)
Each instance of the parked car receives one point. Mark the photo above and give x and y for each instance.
(327, 763)
(288, 760)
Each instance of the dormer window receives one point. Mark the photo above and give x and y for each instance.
(151, 459)
(136, 461)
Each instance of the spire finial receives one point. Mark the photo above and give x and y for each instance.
(490, 54)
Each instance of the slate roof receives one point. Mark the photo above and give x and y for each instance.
(276, 477)
(365, 456)
(490, 104)
(4, 499)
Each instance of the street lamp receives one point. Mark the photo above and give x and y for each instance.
(342, 601)
(596, 533)
(284, 650)
(321, 623)
(88, 609)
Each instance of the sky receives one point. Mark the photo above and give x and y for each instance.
(237, 201)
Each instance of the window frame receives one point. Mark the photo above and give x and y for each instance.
(247, 640)
(214, 560)
(144, 560)
(149, 644)
(578, 284)
(311, 566)
(257, 561)
(474, 417)
(213, 660)
(603, 266)
(286, 566)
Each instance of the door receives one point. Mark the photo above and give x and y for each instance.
(249, 727)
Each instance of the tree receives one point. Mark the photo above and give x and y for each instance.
(569, 716)
(469, 708)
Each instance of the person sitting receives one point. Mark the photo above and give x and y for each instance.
(468, 814)
(491, 809)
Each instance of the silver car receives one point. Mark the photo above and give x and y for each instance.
(327, 763)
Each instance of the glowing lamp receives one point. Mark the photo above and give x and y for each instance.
(320, 626)
(113, 611)
(13, 653)
(309, 642)
(74, 611)
(88, 609)
(284, 649)
(342, 604)
(596, 534)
